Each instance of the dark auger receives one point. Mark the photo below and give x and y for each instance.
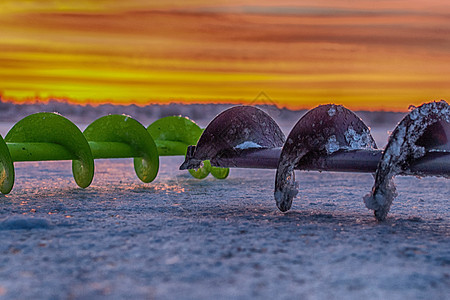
(320, 132)
(419, 145)
(328, 138)
(228, 130)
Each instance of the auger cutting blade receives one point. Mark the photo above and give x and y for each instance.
(320, 132)
(425, 130)
(237, 128)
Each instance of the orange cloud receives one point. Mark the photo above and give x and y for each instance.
(354, 53)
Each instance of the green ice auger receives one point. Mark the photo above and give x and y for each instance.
(49, 136)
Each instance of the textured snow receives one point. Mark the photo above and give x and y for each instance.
(354, 139)
(182, 238)
(332, 111)
(332, 145)
(248, 145)
(23, 222)
(358, 140)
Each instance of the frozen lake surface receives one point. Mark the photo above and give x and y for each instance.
(182, 238)
(179, 237)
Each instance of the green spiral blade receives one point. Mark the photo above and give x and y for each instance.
(107, 134)
(220, 173)
(49, 136)
(6, 168)
(174, 134)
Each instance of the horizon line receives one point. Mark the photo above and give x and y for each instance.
(96, 103)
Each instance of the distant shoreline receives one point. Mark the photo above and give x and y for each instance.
(202, 113)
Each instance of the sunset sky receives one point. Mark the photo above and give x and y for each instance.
(364, 54)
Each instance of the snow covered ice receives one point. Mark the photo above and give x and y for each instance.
(182, 238)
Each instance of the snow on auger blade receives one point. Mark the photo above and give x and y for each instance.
(423, 134)
(230, 132)
(328, 138)
(320, 132)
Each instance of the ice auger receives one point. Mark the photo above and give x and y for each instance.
(50, 136)
(328, 138)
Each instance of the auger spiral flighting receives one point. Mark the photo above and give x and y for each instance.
(328, 138)
(50, 136)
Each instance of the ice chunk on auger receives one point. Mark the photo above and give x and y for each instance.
(320, 132)
(424, 129)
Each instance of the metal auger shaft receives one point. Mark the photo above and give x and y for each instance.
(52, 151)
(362, 160)
(38, 152)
